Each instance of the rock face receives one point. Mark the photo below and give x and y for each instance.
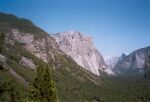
(2, 61)
(111, 61)
(74, 44)
(81, 49)
(38, 47)
(134, 62)
(27, 63)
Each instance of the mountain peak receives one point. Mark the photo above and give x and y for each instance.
(74, 37)
(81, 48)
(72, 33)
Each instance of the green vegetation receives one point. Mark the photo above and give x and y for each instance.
(27, 74)
(74, 84)
(10, 89)
(43, 88)
(8, 22)
(147, 68)
(2, 38)
(111, 89)
(125, 89)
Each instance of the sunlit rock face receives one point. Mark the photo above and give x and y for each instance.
(111, 61)
(81, 49)
(38, 47)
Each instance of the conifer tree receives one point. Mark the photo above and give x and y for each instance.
(147, 68)
(43, 88)
(2, 38)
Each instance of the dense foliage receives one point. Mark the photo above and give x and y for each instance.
(125, 89)
(43, 88)
(10, 90)
(147, 68)
(8, 22)
(2, 39)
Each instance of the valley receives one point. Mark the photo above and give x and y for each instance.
(71, 66)
(125, 89)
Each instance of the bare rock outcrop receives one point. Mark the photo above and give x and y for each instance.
(81, 49)
(27, 63)
(2, 61)
(39, 47)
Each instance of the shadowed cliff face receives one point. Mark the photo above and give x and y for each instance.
(134, 62)
(81, 49)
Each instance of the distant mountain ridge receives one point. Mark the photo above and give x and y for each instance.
(134, 62)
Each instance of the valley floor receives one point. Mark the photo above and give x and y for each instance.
(125, 89)
(113, 89)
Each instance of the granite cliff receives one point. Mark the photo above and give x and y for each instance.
(134, 62)
(82, 50)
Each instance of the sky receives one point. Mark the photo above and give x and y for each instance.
(116, 26)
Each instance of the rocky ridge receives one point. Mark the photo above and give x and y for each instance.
(134, 62)
(82, 50)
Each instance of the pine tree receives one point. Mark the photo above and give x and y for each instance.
(49, 89)
(43, 88)
(2, 38)
(147, 68)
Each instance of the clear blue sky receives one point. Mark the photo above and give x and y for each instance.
(116, 26)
